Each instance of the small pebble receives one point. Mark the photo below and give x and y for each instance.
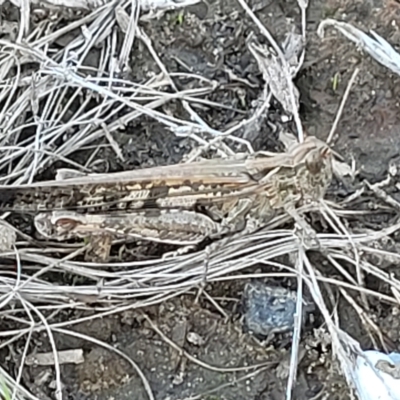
(269, 309)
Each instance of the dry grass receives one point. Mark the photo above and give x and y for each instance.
(33, 71)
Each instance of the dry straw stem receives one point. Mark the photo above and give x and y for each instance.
(83, 126)
(286, 83)
(155, 278)
(274, 75)
(47, 82)
(56, 82)
(10, 388)
(157, 281)
(376, 46)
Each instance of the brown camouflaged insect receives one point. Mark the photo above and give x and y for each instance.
(179, 204)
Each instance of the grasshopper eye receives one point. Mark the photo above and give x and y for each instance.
(326, 152)
(315, 162)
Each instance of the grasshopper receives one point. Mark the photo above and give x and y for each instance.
(180, 204)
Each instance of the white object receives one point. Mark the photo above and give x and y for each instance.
(373, 383)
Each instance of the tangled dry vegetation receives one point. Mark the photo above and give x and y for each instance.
(67, 86)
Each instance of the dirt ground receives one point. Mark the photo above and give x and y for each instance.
(190, 40)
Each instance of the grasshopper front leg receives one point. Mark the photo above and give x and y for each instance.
(307, 235)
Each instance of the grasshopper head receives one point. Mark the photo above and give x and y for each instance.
(317, 160)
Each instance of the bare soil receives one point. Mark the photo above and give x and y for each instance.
(209, 40)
